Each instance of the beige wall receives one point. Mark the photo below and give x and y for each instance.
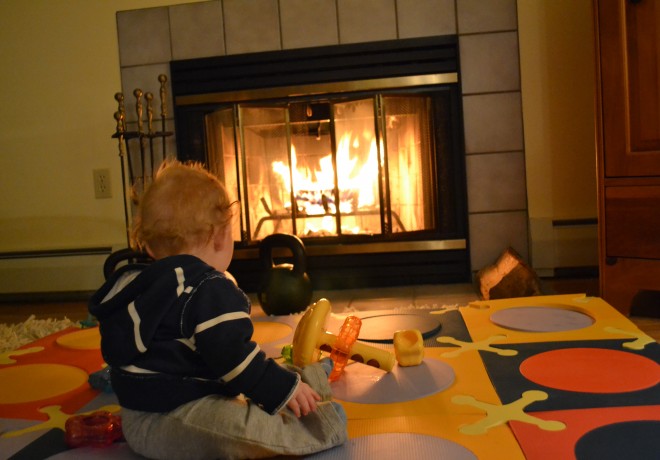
(61, 69)
(557, 80)
(557, 70)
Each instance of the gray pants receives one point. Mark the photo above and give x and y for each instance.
(216, 427)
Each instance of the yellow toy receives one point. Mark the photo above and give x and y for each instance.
(409, 347)
(311, 337)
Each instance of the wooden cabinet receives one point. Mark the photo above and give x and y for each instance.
(628, 141)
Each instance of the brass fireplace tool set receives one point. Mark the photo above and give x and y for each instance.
(137, 171)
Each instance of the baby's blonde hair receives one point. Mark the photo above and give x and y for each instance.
(181, 209)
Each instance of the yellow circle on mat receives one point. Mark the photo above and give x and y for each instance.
(84, 339)
(265, 332)
(34, 382)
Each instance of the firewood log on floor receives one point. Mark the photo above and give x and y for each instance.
(509, 277)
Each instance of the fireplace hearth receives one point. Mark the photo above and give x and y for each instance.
(356, 149)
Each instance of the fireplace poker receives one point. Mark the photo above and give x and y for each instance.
(163, 108)
(120, 130)
(119, 97)
(138, 110)
(150, 131)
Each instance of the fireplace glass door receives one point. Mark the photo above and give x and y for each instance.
(324, 169)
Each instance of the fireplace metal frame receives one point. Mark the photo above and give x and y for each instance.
(200, 86)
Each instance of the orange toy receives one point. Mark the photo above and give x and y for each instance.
(347, 336)
(310, 337)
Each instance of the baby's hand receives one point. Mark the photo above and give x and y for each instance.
(304, 400)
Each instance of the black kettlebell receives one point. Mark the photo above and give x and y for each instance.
(285, 288)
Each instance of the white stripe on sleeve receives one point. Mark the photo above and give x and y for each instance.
(220, 319)
(231, 375)
(136, 327)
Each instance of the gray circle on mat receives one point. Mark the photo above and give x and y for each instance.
(541, 319)
(365, 384)
(397, 446)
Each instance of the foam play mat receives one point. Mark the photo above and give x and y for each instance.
(547, 377)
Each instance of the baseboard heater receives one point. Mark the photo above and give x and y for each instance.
(574, 222)
(564, 245)
(64, 270)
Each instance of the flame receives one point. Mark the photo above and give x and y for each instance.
(314, 189)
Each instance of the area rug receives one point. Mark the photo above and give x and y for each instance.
(13, 336)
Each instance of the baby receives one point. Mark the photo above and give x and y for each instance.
(177, 336)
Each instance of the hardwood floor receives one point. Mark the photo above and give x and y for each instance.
(12, 312)
(16, 312)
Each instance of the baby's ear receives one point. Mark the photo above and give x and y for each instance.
(219, 238)
(149, 251)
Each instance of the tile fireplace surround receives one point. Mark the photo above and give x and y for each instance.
(490, 76)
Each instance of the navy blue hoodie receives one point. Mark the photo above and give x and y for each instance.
(180, 330)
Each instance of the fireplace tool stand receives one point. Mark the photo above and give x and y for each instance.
(138, 154)
(139, 157)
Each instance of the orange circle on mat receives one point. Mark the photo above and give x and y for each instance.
(85, 339)
(265, 332)
(591, 370)
(34, 382)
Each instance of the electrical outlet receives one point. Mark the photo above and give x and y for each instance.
(102, 187)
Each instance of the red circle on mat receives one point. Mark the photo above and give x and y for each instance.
(591, 370)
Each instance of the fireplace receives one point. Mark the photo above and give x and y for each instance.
(356, 149)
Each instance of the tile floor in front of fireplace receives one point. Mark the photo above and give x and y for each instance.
(394, 298)
(431, 295)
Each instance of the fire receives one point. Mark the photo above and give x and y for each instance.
(364, 181)
(314, 186)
